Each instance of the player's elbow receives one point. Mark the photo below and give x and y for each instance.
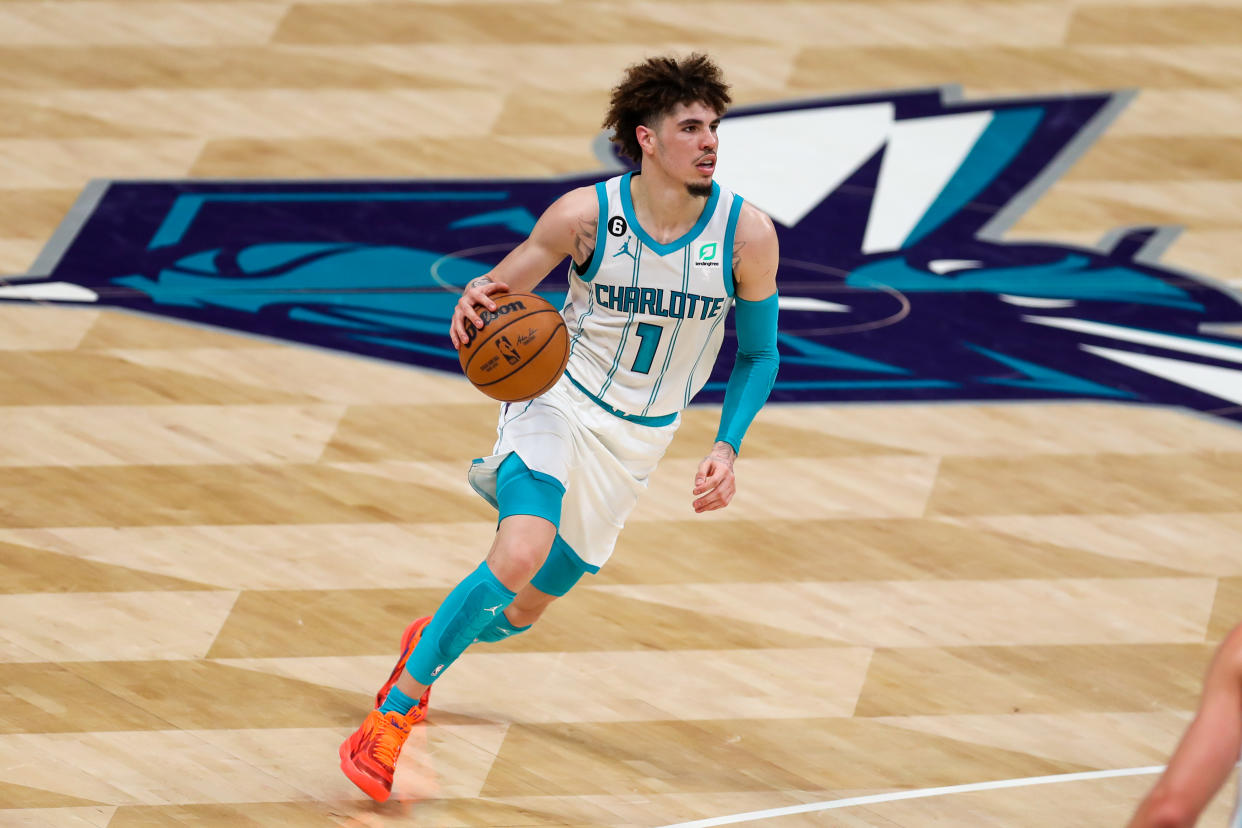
(766, 359)
(1166, 808)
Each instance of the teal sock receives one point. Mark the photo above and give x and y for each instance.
(398, 701)
(500, 629)
(471, 606)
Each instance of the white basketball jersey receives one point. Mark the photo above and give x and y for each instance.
(646, 319)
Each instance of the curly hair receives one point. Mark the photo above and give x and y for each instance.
(653, 88)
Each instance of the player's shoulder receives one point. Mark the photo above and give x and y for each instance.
(756, 253)
(567, 216)
(578, 201)
(754, 225)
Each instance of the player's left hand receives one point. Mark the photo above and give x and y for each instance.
(714, 479)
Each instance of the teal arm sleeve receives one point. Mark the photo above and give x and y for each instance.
(754, 370)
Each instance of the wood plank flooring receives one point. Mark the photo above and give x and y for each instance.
(209, 544)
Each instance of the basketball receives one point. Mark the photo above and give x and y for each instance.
(520, 351)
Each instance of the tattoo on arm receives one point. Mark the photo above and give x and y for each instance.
(584, 239)
(737, 254)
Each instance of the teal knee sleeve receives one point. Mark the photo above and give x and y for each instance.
(520, 491)
(471, 606)
(560, 571)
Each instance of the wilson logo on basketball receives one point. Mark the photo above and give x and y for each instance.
(487, 316)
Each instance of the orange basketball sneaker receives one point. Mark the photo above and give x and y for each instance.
(408, 642)
(369, 757)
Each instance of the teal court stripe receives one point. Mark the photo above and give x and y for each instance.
(186, 207)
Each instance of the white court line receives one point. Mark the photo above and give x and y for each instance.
(921, 793)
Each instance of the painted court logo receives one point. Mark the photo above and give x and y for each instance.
(897, 279)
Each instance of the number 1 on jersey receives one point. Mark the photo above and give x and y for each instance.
(650, 336)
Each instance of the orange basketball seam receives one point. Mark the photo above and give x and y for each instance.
(555, 379)
(476, 345)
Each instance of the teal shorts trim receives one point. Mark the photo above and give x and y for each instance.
(520, 491)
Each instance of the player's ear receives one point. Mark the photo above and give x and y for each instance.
(646, 138)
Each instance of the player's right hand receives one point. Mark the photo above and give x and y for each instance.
(477, 294)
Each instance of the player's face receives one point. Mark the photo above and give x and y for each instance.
(686, 146)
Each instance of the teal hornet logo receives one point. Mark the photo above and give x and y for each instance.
(898, 281)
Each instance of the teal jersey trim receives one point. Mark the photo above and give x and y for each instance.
(663, 420)
(627, 207)
(754, 370)
(735, 209)
(601, 235)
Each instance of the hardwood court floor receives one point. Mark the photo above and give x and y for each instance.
(210, 544)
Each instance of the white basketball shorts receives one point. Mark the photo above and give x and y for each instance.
(602, 460)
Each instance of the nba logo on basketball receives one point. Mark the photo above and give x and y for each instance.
(507, 350)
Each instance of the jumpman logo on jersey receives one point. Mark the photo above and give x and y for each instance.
(625, 250)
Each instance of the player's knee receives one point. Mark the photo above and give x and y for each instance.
(516, 561)
(526, 558)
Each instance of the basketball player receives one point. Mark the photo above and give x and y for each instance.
(657, 258)
(1208, 750)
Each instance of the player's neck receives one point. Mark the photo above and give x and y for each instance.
(663, 207)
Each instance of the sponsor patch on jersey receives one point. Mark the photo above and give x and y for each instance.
(706, 255)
